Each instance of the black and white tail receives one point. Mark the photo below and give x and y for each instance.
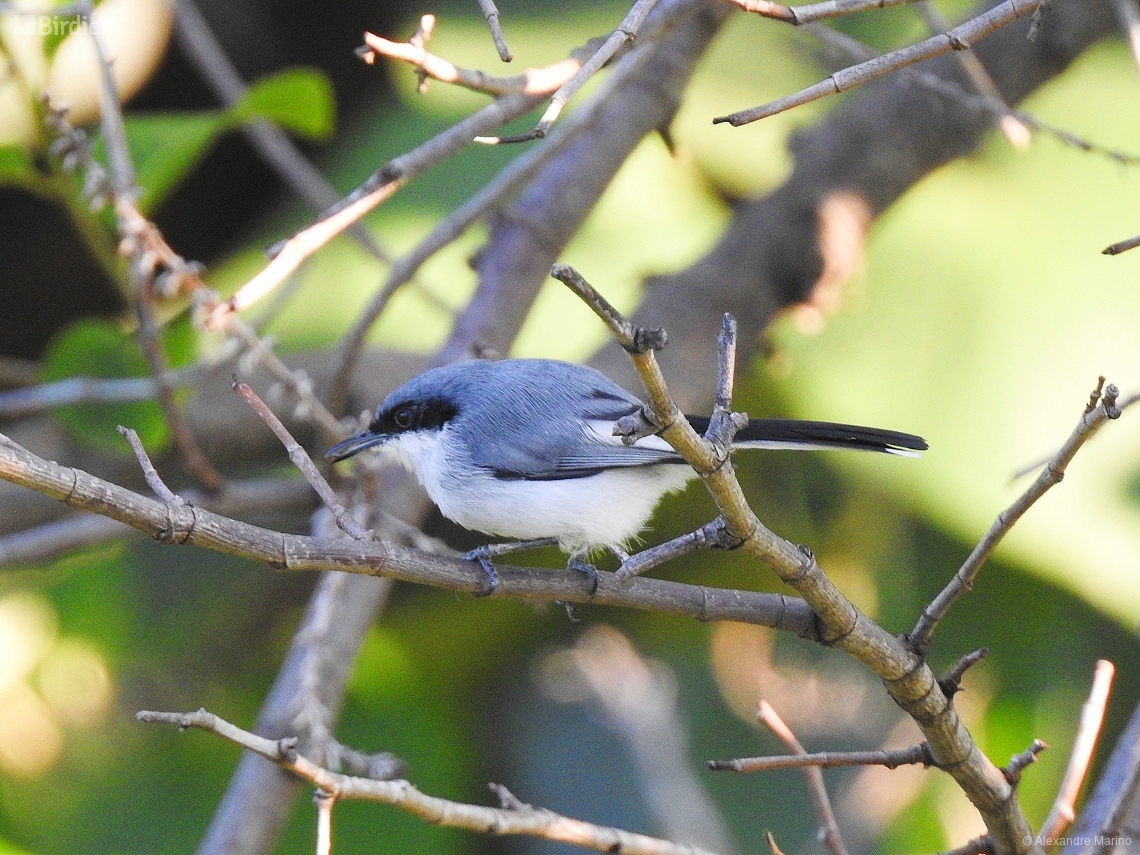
(795, 434)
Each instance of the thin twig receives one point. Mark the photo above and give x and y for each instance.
(1091, 420)
(1121, 246)
(300, 458)
(626, 31)
(970, 100)
(891, 759)
(951, 681)
(958, 38)
(828, 828)
(1063, 811)
(150, 474)
(275, 147)
(491, 15)
(1018, 762)
(797, 15)
(180, 517)
(516, 819)
(138, 242)
(1015, 131)
(297, 383)
(712, 535)
(533, 81)
(324, 803)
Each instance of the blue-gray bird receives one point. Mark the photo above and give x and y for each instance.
(525, 449)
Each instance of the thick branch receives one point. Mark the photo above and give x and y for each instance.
(298, 552)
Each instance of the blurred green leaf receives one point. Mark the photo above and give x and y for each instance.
(300, 100)
(15, 165)
(165, 146)
(97, 348)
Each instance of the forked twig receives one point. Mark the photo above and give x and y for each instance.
(533, 81)
(626, 31)
(1102, 408)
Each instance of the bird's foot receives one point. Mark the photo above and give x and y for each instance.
(578, 564)
(481, 554)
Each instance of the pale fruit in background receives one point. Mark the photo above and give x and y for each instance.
(134, 34)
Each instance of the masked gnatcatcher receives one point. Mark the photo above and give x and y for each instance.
(525, 448)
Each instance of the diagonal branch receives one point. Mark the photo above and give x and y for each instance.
(1062, 813)
(906, 676)
(626, 31)
(1101, 408)
(828, 827)
(958, 38)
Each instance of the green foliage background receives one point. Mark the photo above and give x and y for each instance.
(982, 320)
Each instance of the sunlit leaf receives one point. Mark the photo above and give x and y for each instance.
(298, 99)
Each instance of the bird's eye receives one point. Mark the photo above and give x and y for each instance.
(405, 417)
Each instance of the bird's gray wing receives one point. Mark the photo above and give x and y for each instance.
(577, 444)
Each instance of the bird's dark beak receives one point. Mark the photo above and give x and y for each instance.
(354, 445)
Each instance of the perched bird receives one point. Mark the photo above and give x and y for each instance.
(525, 448)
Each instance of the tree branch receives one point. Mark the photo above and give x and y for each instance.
(1100, 410)
(515, 819)
(298, 552)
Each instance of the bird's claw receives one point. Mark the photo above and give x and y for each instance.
(479, 554)
(585, 568)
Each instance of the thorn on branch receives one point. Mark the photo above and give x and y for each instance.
(507, 799)
(1018, 762)
(951, 682)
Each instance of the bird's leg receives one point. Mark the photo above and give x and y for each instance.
(484, 554)
(578, 563)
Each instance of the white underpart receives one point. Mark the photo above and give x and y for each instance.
(607, 509)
